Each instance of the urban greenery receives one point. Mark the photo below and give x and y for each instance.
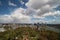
(32, 34)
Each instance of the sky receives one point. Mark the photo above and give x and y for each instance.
(30, 11)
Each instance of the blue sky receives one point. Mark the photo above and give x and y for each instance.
(30, 11)
(5, 7)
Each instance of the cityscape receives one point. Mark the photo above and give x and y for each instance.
(29, 19)
(17, 31)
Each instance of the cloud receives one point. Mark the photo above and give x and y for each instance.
(12, 4)
(37, 11)
(44, 6)
(37, 4)
(54, 17)
(18, 15)
(5, 19)
(15, 17)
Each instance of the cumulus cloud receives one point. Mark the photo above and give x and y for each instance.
(5, 19)
(36, 4)
(45, 6)
(15, 17)
(18, 15)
